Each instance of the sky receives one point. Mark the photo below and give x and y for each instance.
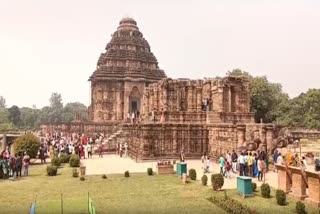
(53, 46)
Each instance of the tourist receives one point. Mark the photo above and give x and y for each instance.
(18, 165)
(260, 169)
(227, 168)
(100, 150)
(250, 165)
(245, 164)
(280, 159)
(241, 164)
(12, 166)
(5, 167)
(234, 159)
(208, 162)
(89, 150)
(204, 162)
(275, 158)
(120, 150)
(255, 165)
(221, 163)
(42, 154)
(126, 150)
(304, 161)
(182, 157)
(26, 162)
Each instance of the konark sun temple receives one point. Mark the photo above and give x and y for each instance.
(172, 115)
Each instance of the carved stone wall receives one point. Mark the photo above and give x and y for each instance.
(228, 100)
(163, 141)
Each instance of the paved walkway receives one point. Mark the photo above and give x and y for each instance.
(113, 164)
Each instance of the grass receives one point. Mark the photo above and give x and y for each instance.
(138, 194)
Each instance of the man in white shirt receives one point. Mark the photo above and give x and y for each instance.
(241, 163)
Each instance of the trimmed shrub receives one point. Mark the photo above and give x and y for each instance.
(301, 208)
(231, 206)
(82, 178)
(281, 197)
(104, 177)
(27, 143)
(265, 190)
(52, 170)
(193, 174)
(254, 187)
(56, 161)
(74, 161)
(150, 171)
(217, 181)
(204, 180)
(126, 174)
(75, 173)
(65, 158)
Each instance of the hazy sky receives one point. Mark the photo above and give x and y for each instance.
(53, 46)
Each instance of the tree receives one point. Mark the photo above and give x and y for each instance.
(27, 143)
(29, 118)
(56, 101)
(267, 99)
(14, 115)
(4, 115)
(74, 111)
(56, 108)
(2, 102)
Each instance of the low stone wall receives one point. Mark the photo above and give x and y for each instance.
(166, 141)
(301, 182)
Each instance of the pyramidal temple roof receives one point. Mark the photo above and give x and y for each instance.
(128, 55)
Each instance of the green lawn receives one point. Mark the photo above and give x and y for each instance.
(138, 194)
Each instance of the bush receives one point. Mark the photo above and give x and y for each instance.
(281, 197)
(52, 170)
(217, 181)
(150, 171)
(193, 174)
(75, 173)
(27, 143)
(204, 180)
(301, 208)
(254, 187)
(104, 177)
(126, 174)
(56, 162)
(74, 161)
(265, 190)
(65, 158)
(231, 205)
(82, 178)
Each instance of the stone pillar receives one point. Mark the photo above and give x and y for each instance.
(229, 99)
(269, 137)
(4, 142)
(241, 132)
(299, 187)
(284, 178)
(313, 188)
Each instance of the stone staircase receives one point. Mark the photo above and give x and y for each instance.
(110, 143)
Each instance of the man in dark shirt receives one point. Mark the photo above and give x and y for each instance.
(234, 158)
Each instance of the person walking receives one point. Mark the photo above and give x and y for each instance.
(234, 159)
(89, 150)
(261, 166)
(100, 149)
(241, 164)
(221, 163)
(18, 165)
(250, 165)
(227, 168)
(26, 162)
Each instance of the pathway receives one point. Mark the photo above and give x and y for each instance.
(113, 164)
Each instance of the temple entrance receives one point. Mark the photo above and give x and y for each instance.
(134, 104)
(134, 100)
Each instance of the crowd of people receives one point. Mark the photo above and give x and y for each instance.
(11, 165)
(252, 164)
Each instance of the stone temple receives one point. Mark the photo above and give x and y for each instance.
(123, 72)
(198, 116)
